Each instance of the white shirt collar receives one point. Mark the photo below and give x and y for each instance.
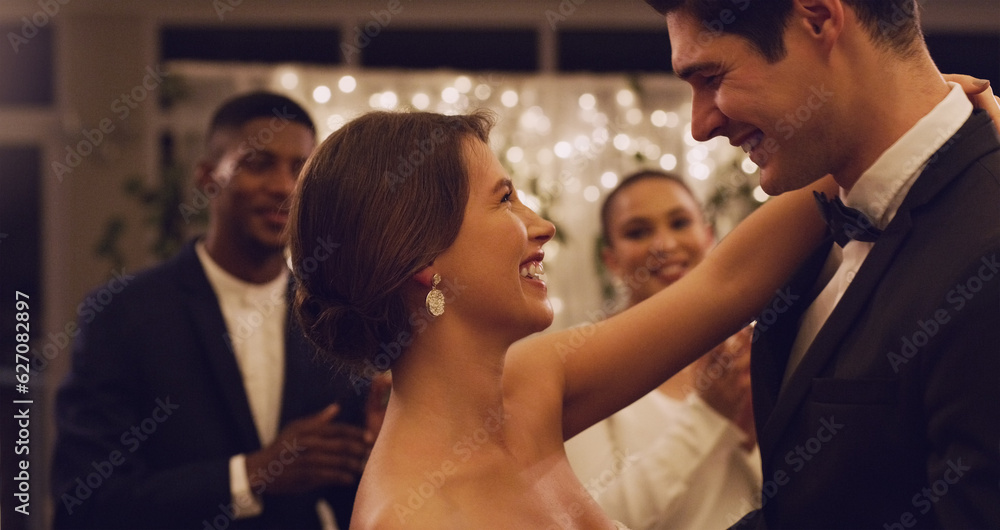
(881, 189)
(230, 287)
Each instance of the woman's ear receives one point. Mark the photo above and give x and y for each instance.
(610, 260)
(425, 275)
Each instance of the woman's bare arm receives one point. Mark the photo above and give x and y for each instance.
(609, 364)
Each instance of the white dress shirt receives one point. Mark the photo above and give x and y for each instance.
(878, 194)
(255, 321)
(665, 463)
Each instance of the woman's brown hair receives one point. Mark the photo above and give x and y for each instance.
(377, 202)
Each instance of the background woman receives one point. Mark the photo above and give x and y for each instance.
(685, 454)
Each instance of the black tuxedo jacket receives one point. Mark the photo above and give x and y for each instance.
(154, 407)
(892, 419)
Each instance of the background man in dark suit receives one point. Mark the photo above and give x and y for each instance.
(193, 401)
(875, 373)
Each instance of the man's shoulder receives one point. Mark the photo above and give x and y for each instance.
(153, 285)
(962, 179)
(976, 140)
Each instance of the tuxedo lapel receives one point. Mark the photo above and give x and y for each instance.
(841, 320)
(211, 329)
(953, 158)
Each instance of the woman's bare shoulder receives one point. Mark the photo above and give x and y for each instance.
(451, 491)
(399, 496)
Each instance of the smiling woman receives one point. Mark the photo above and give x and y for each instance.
(400, 222)
(474, 430)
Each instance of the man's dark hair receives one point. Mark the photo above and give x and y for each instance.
(235, 112)
(892, 23)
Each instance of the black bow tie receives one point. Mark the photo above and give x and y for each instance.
(845, 222)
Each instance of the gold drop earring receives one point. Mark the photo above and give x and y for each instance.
(435, 298)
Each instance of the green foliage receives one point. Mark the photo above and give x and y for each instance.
(160, 205)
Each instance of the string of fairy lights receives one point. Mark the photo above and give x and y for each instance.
(566, 140)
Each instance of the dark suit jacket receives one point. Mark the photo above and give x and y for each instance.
(892, 419)
(154, 407)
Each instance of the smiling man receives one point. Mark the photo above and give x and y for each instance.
(257, 434)
(880, 345)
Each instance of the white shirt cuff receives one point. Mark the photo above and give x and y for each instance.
(244, 502)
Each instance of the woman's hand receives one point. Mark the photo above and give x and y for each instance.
(980, 93)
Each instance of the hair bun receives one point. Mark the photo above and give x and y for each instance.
(339, 330)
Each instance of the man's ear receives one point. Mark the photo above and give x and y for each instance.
(821, 19)
(204, 173)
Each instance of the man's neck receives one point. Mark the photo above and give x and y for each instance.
(252, 267)
(885, 110)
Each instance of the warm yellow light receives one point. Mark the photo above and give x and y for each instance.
(321, 94)
(625, 97)
(609, 179)
(347, 84)
(509, 99)
(668, 162)
(450, 95)
(420, 101)
(289, 80)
